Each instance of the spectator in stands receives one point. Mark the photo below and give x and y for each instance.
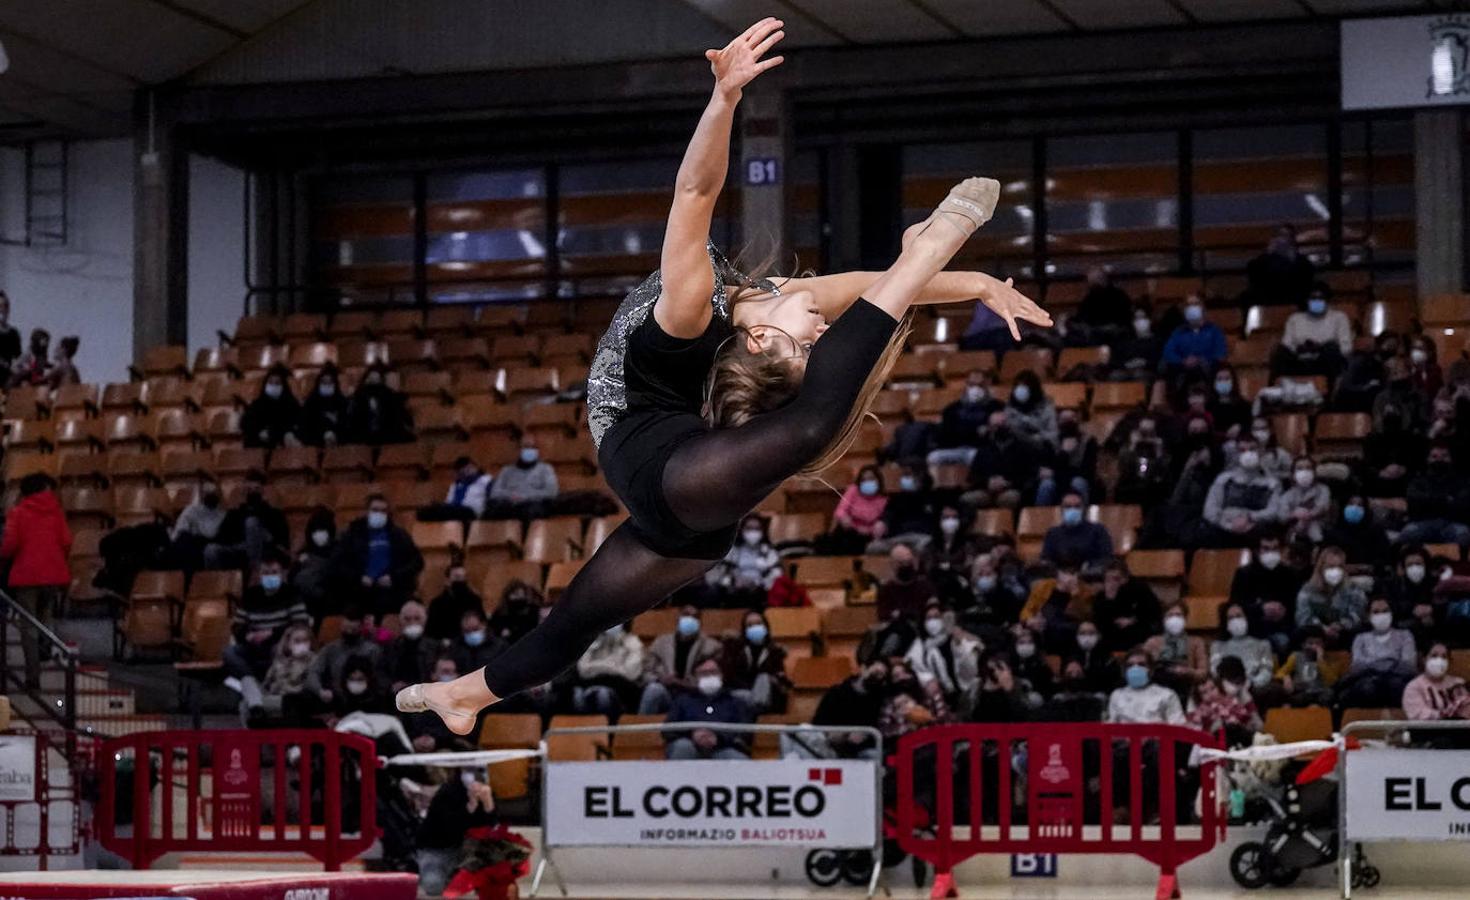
(1424, 371)
(1365, 374)
(1144, 465)
(1195, 348)
(1074, 464)
(908, 516)
(266, 608)
(312, 574)
(446, 610)
(33, 368)
(248, 530)
(986, 331)
(409, 657)
(327, 670)
(1076, 541)
(1105, 314)
(1100, 673)
(1330, 601)
(1438, 499)
(1436, 695)
(197, 525)
(1031, 667)
(962, 421)
(1317, 340)
(1127, 611)
(913, 440)
(1309, 675)
(857, 519)
(461, 804)
(902, 598)
(951, 551)
(1030, 414)
(1222, 702)
(1281, 275)
(377, 560)
(911, 704)
(427, 732)
(999, 593)
(465, 500)
(946, 654)
(10, 336)
(1181, 659)
(358, 691)
(324, 412)
(1396, 445)
(1140, 700)
(1410, 584)
(1230, 412)
(36, 543)
(272, 418)
(1266, 588)
(1001, 696)
(1357, 532)
(1384, 660)
(672, 660)
(286, 694)
(1136, 355)
(1242, 498)
(755, 666)
(520, 609)
(64, 366)
(377, 414)
(475, 646)
(854, 703)
(709, 702)
(1276, 461)
(1004, 467)
(526, 489)
(1255, 654)
(1305, 506)
(608, 674)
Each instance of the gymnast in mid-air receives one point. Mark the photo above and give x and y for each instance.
(710, 388)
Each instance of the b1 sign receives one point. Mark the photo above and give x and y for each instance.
(1406, 62)
(802, 803)
(1408, 795)
(18, 768)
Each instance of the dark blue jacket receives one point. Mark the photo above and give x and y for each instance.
(1207, 343)
(692, 706)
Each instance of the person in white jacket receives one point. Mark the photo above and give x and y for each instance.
(608, 673)
(947, 654)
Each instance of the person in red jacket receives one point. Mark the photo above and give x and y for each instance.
(36, 543)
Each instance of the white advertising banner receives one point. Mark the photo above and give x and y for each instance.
(776, 803)
(18, 768)
(1408, 795)
(1405, 62)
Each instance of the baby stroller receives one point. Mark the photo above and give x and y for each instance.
(1302, 835)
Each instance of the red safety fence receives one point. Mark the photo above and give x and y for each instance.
(303, 791)
(1066, 787)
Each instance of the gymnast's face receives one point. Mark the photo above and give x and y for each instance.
(788, 323)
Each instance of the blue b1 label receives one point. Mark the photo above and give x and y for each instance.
(1033, 865)
(762, 170)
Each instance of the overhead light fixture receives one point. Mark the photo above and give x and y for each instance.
(4, 60)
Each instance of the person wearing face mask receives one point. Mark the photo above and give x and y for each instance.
(1436, 695)
(1030, 413)
(287, 700)
(1330, 600)
(197, 525)
(311, 575)
(526, 489)
(1105, 314)
(466, 497)
(1384, 660)
(1317, 339)
(1281, 275)
(947, 655)
(249, 530)
(377, 414)
(476, 644)
(1002, 695)
(1275, 461)
(358, 691)
(999, 589)
(1075, 539)
(1357, 532)
(908, 515)
(1306, 505)
(377, 560)
(747, 573)
(463, 803)
(1136, 353)
(854, 703)
(1230, 411)
(1195, 347)
(710, 701)
(1140, 700)
(1255, 654)
(671, 660)
(607, 675)
(1099, 672)
(1397, 444)
(911, 703)
(266, 609)
(1424, 371)
(1073, 466)
(324, 411)
(1411, 582)
(1181, 659)
(856, 520)
(952, 550)
(962, 420)
(1056, 605)
(457, 597)
(409, 657)
(1004, 468)
(1309, 675)
(352, 643)
(755, 666)
(519, 611)
(1126, 610)
(1439, 502)
(1030, 666)
(913, 440)
(272, 418)
(34, 367)
(1365, 375)
(64, 365)
(1242, 498)
(901, 599)
(1144, 464)
(1266, 588)
(1223, 702)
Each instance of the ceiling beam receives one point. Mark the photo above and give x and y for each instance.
(268, 28)
(817, 21)
(923, 7)
(23, 37)
(1061, 14)
(1189, 17)
(204, 19)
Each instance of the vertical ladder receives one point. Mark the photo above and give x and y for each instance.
(47, 173)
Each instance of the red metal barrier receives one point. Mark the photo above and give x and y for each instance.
(208, 790)
(1067, 805)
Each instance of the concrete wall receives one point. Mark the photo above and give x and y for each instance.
(216, 250)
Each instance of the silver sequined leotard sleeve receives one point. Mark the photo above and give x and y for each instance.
(607, 398)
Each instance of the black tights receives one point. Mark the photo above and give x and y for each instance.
(711, 482)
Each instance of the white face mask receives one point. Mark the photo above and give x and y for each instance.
(300, 649)
(709, 685)
(321, 537)
(1436, 666)
(274, 390)
(1250, 459)
(974, 394)
(1087, 641)
(1419, 357)
(377, 519)
(413, 631)
(1261, 435)
(1332, 575)
(1237, 627)
(1381, 621)
(1142, 327)
(1270, 559)
(935, 627)
(1414, 572)
(357, 686)
(1174, 624)
(752, 536)
(949, 525)
(1026, 650)
(1304, 477)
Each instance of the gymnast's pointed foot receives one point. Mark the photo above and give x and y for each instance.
(457, 702)
(968, 206)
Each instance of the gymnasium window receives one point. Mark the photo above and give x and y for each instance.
(486, 235)
(1114, 199)
(1005, 244)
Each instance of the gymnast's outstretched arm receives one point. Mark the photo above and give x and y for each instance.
(683, 309)
(836, 292)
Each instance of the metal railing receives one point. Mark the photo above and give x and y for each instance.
(62, 712)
